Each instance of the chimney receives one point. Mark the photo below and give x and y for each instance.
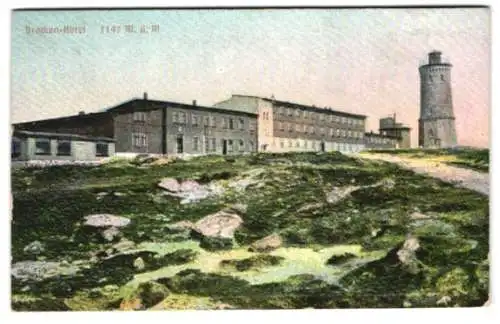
(145, 96)
(81, 112)
(194, 102)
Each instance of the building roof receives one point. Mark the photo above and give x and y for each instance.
(148, 104)
(25, 133)
(297, 105)
(62, 119)
(396, 127)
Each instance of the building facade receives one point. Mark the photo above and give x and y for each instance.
(389, 126)
(28, 145)
(437, 121)
(286, 126)
(380, 141)
(160, 127)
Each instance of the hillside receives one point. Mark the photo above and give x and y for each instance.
(298, 230)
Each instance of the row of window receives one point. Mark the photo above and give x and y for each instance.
(305, 144)
(43, 147)
(319, 116)
(179, 117)
(379, 140)
(299, 128)
(211, 144)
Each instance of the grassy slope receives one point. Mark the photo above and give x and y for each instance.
(290, 181)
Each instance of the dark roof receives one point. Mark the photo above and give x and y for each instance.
(62, 119)
(396, 127)
(61, 135)
(147, 104)
(312, 108)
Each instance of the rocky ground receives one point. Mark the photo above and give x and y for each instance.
(265, 231)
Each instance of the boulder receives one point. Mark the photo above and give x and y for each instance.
(190, 185)
(222, 224)
(170, 184)
(266, 244)
(34, 248)
(39, 270)
(139, 264)
(106, 220)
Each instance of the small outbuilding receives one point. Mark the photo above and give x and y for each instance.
(29, 145)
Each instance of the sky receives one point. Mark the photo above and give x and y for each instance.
(363, 61)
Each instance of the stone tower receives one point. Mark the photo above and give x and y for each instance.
(436, 126)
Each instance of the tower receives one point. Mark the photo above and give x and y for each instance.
(436, 126)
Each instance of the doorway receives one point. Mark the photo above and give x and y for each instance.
(180, 144)
(224, 147)
(322, 146)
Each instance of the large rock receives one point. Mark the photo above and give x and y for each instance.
(266, 244)
(222, 224)
(106, 220)
(111, 234)
(38, 270)
(170, 184)
(190, 185)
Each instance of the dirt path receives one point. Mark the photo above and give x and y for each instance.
(477, 181)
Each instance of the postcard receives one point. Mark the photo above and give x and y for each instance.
(249, 158)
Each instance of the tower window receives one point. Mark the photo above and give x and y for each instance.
(430, 78)
(442, 77)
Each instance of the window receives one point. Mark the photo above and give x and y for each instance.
(139, 116)
(297, 144)
(322, 131)
(212, 121)
(207, 145)
(306, 114)
(196, 144)
(206, 121)
(297, 128)
(252, 126)
(442, 77)
(101, 149)
(322, 117)
(314, 144)
(330, 118)
(343, 133)
(349, 121)
(313, 115)
(241, 123)
(349, 134)
(337, 132)
(139, 140)
(224, 122)
(282, 110)
(64, 148)
(229, 145)
(290, 127)
(242, 145)
(331, 132)
(281, 126)
(305, 144)
(42, 146)
(182, 117)
(213, 144)
(251, 146)
(344, 120)
(195, 119)
(289, 111)
(297, 113)
(16, 148)
(289, 143)
(231, 123)
(311, 129)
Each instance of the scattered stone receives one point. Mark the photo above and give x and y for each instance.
(309, 207)
(34, 248)
(139, 264)
(38, 270)
(106, 220)
(337, 194)
(266, 244)
(170, 184)
(111, 234)
(406, 254)
(221, 225)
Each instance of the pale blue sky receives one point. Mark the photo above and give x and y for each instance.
(363, 61)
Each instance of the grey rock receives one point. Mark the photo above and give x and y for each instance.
(106, 220)
(221, 225)
(170, 184)
(38, 270)
(406, 254)
(35, 248)
(139, 264)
